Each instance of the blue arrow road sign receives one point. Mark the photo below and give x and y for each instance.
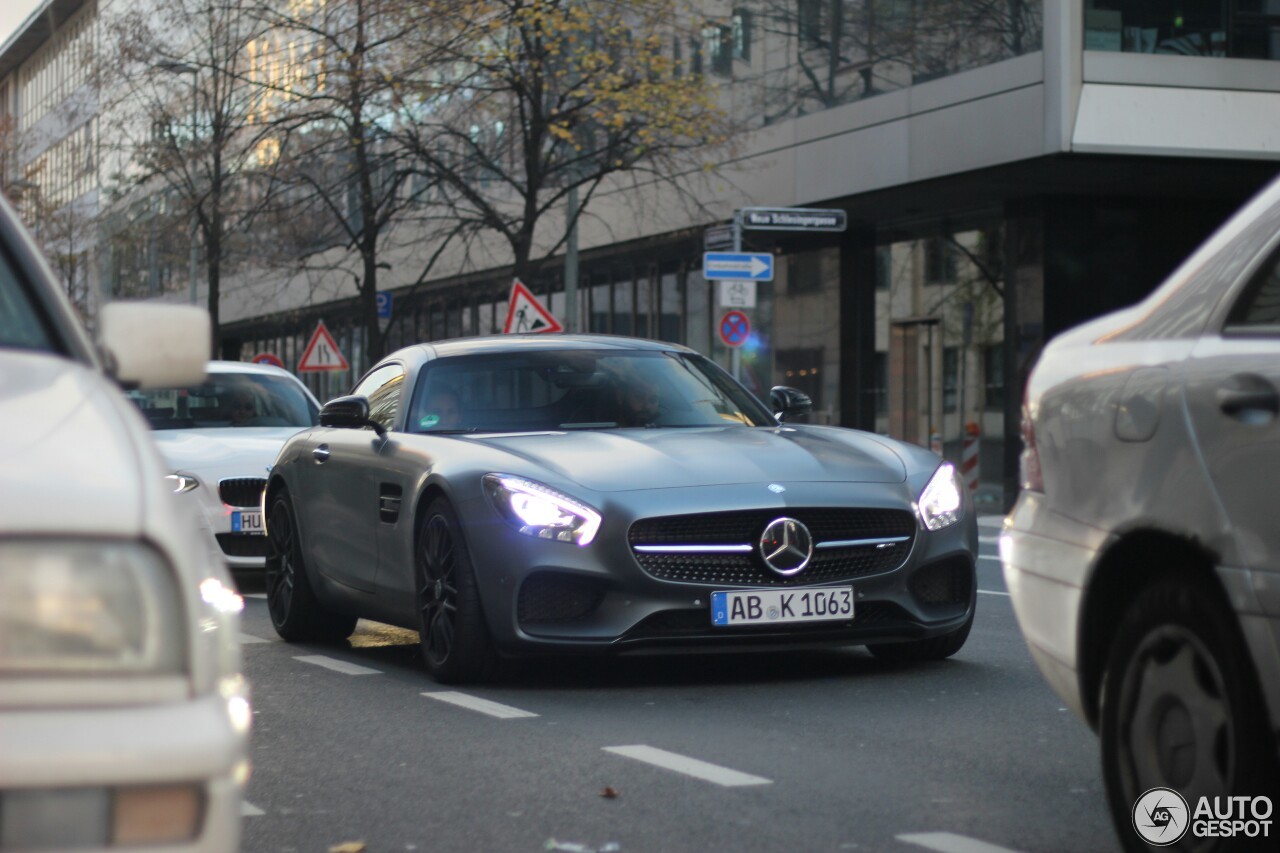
(744, 266)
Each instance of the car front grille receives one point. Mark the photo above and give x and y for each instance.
(241, 545)
(747, 568)
(242, 491)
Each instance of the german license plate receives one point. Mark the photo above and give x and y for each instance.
(780, 606)
(247, 521)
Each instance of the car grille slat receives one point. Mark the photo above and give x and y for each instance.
(836, 525)
(242, 491)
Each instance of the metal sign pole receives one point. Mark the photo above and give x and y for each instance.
(735, 356)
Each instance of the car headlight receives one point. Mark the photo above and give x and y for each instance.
(88, 607)
(181, 483)
(941, 501)
(541, 511)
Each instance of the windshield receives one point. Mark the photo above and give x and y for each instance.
(229, 400)
(579, 389)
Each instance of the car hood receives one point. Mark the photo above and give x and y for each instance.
(242, 451)
(68, 464)
(624, 460)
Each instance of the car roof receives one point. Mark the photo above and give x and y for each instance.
(245, 367)
(532, 342)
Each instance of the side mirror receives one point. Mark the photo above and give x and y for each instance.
(350, 412)
(153, 345)
(788, 403)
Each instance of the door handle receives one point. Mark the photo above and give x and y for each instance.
(321, 453)
(1236, 402)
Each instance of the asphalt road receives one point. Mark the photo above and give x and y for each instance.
(803, 751)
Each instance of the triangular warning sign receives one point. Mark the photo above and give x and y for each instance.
(322, 352)
(526, 314)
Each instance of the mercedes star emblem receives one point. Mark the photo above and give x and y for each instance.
(786, 546)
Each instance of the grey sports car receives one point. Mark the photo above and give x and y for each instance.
(517, 495)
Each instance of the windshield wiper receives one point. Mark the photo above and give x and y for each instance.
(590, 425)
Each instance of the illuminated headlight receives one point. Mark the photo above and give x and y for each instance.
(941, 500)
(181, 483)
(88, 607)
(541, 511)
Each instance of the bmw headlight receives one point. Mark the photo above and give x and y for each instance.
(941, 500)
(181, 483)
(541, 511)
(88, 607)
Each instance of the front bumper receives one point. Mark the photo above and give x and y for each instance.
(602, 600)
(53, 762)
(242, 551)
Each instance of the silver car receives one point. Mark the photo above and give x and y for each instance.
(1143, 554)
(220, 438)
(549, 494)
(123, 714)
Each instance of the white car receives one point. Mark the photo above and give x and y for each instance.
(1143, 555)
(124, 717)
(220, 439)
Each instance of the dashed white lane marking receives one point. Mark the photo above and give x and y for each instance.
(688, 766)
(246, 639)
(338, 665)
(989, 539)
(993, 592)
(946, 842)
(484, 706)
(248, 809)
(988, 557)
(254, 595)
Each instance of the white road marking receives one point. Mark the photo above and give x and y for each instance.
(947, 842)
(989, 539)
(993, 592)
(988, 557)
(248, 809)
(688, 766)
(254, 595)
(484, 706)
(247, 639)
(338, 665)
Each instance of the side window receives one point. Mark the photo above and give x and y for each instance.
(383, 388)
(1258, 309)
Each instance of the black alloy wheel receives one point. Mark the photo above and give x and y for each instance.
(1181, 709)
(295, 612)
(455, 640)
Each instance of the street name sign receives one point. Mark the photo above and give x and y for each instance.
(793, 219)
(742, 266)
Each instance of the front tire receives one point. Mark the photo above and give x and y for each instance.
(295, 612)
(454, 637)
(1181, 708)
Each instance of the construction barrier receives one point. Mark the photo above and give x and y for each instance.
(969, 467)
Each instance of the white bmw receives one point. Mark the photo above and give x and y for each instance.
(220, 439)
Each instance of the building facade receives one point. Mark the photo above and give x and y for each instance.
(1008, 169)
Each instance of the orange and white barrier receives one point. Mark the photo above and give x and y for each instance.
(969, 467)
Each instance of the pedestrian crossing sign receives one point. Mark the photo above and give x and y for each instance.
(526, 314)
(322, 352)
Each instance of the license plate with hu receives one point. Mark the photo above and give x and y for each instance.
(247, 521)
(782, 606)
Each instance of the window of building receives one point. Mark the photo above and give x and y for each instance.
(740, 24)
(1231, 28)
(719, 45)
(812, 22)
(804, 273)
(939, 261)
(993, 376)
(884, 267)
(880, 390)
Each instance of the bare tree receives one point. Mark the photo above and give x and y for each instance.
(530, 100)
(176, 87)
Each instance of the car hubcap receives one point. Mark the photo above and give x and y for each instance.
(438, 596)
(1178, 731)
(280, 580)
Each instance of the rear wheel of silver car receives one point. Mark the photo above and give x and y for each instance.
(455, 640)
(295, 612)
(1181, 708)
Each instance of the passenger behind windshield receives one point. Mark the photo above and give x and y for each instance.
(535, 391)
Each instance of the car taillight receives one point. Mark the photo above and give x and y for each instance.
(1032, 476)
